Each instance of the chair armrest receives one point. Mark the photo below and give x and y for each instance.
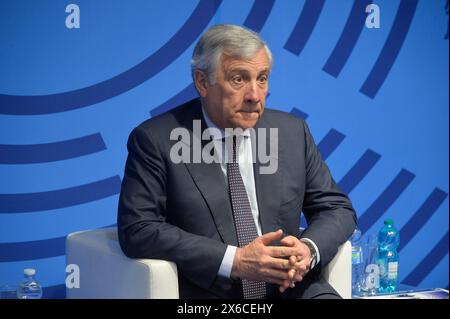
(339, 271)
(105, 272)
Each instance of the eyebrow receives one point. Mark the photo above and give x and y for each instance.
(263, 71)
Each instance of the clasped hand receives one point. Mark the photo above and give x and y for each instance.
(282, 265)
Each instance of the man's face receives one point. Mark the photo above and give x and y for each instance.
(238, 96)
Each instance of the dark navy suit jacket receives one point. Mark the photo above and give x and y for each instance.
(182, 212)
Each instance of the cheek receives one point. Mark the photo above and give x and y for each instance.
(233, 101)
(263, 93)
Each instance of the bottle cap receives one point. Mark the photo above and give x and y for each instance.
(356, 235)
(389, 222)
(29, 271)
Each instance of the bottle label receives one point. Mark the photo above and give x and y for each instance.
(392, 270)
(356, 257)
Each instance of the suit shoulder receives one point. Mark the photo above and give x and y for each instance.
(282, 118)
(163, 123)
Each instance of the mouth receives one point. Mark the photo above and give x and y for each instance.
(248, 111)
(249, 115)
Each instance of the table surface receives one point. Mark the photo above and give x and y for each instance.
(409, 292)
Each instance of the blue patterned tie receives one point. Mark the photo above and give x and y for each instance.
(243, 221)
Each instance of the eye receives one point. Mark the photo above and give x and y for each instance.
(263, 79)
(237, 79)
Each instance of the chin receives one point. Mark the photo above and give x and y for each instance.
(244, 124)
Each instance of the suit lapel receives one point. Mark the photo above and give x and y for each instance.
(211, 183)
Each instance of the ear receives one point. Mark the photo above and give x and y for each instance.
(200, 82)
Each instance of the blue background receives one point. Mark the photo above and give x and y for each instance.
(376, 101)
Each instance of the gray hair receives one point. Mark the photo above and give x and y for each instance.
(235, 41)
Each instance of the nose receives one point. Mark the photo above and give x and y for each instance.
(252, 93)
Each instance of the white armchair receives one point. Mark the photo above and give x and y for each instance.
(105, 272)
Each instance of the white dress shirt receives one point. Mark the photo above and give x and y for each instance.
(245, 159)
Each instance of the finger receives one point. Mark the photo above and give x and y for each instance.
(278, 263)
(302, 265)
(285, 264)
(282, 289)
(289, 241)
(274, 274)
(298, 277)
(270, 237)
(291, 274)
(302, 269)
(293, 260)
(286, 284)
(284, 251)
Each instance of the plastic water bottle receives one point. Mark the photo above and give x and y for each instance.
(357, 262)
(371, 282)
(388, 241)
(29, 288)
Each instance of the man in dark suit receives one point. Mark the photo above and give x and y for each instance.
(216, 204)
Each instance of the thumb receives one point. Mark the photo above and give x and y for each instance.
(270, 237)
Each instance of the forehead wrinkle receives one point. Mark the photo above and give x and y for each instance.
(239, 68)
(227, 60)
